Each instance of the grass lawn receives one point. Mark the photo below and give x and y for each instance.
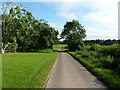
(26, 70)
(60, 46)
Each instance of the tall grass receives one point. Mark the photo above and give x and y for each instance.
(103, 61)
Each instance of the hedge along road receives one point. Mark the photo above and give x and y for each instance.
(68, 73)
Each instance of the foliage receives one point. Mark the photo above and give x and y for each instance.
(110, 50)
(103, 61)
(113, 52)
(95, 47)
(14, 45)
(100, 66)
(73, 33)
(26, 70)
(20, 28)
(101, 42)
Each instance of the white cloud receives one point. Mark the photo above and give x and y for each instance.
(95, 33)
(57, 27)
(64, 10)
(100, 17)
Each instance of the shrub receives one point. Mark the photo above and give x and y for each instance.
(107, 62)
(109, 50)
(110, 77)
(95, 47)
(112, 51)
(73, 47)
(86, 54)
(87, 47)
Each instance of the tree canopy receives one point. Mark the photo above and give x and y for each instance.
(21, 31)
(73, 33)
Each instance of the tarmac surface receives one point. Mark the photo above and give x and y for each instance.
(69, 73)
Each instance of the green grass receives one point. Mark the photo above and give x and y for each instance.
(108, 76)
(26, 70)
(45, 51)
(60, 46)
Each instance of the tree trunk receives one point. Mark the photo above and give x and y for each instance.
(2, 51)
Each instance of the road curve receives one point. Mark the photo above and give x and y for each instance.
(68, 73)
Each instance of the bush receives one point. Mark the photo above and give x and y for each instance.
(107, 62)
(45, 51)
(86, 54)
(87, 47)
(109, 50)
(109, 76)
(112, 51)
(72, 46)
(95, 47)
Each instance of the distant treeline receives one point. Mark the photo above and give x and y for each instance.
(101, 42)
(98, 41)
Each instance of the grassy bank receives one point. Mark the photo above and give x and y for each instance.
(95, 63)
(26, 70)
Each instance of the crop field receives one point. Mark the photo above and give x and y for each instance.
(26, 70)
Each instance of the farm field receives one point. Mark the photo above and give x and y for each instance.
(60, 46)
(26, 70)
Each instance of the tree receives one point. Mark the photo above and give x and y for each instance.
(21, 31)
(48, 36)
(1, 49)
(73, 33)
(5, 21)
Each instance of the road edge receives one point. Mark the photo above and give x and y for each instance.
(49, 74)
(93, 73)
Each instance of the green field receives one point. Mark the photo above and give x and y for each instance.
(60, 46)
(26, 70)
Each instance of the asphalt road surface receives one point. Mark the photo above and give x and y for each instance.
(68, 73)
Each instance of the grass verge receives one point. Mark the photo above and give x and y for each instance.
(26, 70)
(45, 51)
(109, 77)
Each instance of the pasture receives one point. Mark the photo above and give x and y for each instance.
(26, 70)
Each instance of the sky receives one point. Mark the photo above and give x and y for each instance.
(99, 17)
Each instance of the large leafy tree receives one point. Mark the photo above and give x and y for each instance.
(73, 33)
(21, 31)
(5, 26)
